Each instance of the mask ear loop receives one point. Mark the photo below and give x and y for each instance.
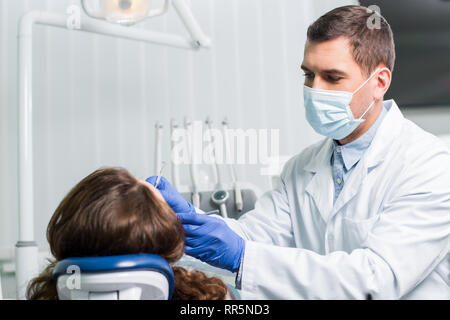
(373, 102)
(370, 106)
(364, 83)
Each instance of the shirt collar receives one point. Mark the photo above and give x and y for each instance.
(353, 151)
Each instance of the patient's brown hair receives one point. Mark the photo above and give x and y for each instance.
(110, 212)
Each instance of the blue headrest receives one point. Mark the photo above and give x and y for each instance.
(118, 263)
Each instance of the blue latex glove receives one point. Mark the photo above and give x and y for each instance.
(211, 240)
(207, 238)
(173, 198)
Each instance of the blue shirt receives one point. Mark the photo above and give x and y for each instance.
(345, 158)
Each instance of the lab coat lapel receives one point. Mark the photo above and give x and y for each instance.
(321, 187)
(386, 134)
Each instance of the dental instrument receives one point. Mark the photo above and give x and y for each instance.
(220, 195)
(237, 189)
(212, 212)
(158, 178)
(192, 172)
(26, 254)
(216, 172)
(174, 164)
(158, 145)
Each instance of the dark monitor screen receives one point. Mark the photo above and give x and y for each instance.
(421, 29)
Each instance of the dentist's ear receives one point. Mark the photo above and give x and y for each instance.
(383, 81)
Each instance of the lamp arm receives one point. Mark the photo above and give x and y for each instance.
(194, 29)
(158, 12)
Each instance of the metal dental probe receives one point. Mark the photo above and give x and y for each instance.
(163, 165)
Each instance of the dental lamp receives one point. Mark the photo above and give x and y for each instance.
(125, 12)
(129, 12)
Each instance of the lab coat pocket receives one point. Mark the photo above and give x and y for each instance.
(355, 232)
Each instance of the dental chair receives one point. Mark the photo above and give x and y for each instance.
(125, 277)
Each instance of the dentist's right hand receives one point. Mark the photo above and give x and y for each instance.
(207, 238)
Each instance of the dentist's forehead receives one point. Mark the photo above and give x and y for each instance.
(335, 54)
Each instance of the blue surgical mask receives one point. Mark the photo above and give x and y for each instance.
(328, 112)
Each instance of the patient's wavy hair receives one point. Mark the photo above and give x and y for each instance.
(110, 212)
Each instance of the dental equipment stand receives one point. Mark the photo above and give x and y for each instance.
(249, 197)
(192, 172)
(220, 195)
(26, 254)
(237, 189)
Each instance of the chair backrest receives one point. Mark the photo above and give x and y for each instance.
(126, 277)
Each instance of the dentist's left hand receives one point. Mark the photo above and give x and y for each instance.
(207, 238)
(173, 198)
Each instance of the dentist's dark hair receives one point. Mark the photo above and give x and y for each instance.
(371, 44)
(110, 212)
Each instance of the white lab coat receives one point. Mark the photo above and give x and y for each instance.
(387, 234)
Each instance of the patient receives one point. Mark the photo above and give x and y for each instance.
(112, 213)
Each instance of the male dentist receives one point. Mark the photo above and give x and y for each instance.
(364, 212)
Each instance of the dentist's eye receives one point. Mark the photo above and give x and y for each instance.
(333, 79)
(309, 75)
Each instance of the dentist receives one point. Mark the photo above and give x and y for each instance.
(365, 211)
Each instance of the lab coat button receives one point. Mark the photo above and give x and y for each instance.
(339, 180)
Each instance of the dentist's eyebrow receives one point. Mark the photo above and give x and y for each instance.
(304, 68)
(335, 72)
(327, 71)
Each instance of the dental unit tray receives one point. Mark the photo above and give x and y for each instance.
(124, 277)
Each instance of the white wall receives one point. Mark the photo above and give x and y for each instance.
(96, 99)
